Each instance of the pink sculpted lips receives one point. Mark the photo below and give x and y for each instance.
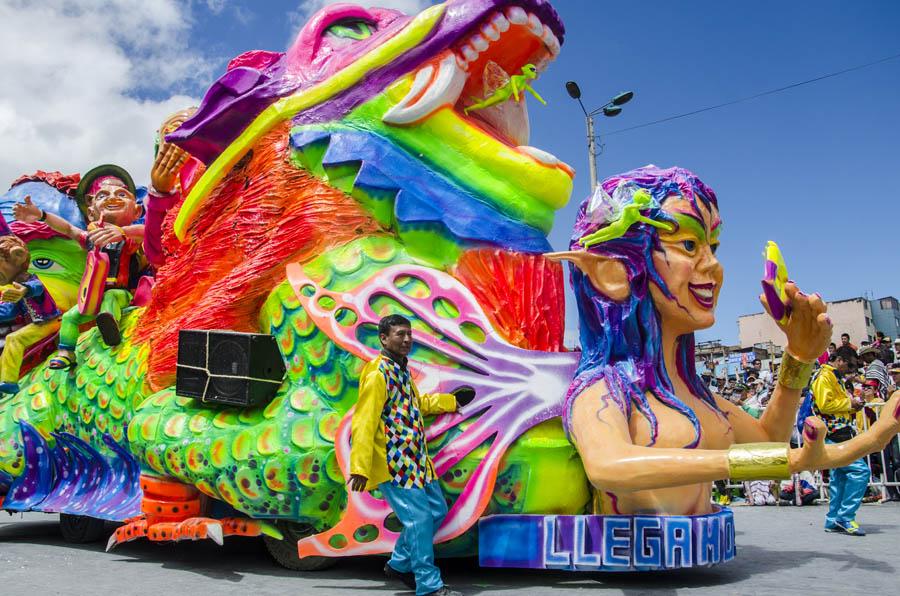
(703, 293)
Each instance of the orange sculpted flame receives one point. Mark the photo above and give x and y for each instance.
(266, 213)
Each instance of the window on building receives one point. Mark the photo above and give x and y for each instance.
(889, 303)
(868, 322)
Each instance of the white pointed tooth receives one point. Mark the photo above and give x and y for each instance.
(539, 154)
(535, 25)
(441, 88)
(490, 32)
(461, 62)
(500, 23)
(517, 15)
(423, 77)
(542, 63)
(469, 53)
(214, 532)
(550, 40)
(478, 42)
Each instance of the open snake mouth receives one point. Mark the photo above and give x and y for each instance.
(494, 50)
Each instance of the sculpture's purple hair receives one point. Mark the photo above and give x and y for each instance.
(621, 341)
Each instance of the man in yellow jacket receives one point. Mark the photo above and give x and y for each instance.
(389, 451)
(837, 408)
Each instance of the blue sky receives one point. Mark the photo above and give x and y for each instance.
(813, 168)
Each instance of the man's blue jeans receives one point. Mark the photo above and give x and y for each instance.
(846, 488)
(421, 511)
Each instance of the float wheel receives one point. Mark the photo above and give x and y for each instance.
(80, 529)
(284, 551)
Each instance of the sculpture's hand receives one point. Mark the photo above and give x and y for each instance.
(26, 212)
(168, 163)
(13, 293)
(816, 455)
(105, 235)
(808, 328)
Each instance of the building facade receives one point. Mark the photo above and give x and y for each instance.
(886, 314)
(854, 316)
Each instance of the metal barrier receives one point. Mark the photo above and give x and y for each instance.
(889, 458)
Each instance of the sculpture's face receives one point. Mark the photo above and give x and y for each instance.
(688, 265)
(12, 267)
(373, 85)
(115, 204)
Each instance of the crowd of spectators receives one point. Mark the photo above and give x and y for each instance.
(869, 374)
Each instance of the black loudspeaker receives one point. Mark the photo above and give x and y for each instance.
(227, 367)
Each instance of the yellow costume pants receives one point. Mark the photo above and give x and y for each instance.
(16, 344)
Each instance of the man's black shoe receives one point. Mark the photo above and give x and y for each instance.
(408, 579)
(109, 329)
(444, 591)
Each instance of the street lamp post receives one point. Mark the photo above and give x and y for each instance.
(611, 108)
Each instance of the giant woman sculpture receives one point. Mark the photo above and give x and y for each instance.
(650, 434)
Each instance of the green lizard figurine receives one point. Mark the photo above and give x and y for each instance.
(631, 214)
(512, 87)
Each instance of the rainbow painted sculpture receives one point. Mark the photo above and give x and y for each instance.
(344, 180)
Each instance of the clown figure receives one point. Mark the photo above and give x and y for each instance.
(107, 194)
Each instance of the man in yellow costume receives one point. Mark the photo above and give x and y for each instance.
(389, 452)
(838, 409)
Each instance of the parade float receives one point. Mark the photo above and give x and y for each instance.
(381, 165)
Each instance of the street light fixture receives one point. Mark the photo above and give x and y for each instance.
(611, 108)
(611, 111)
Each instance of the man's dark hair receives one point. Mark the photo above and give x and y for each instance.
(844, 353)
(847, 335)
(385, 324)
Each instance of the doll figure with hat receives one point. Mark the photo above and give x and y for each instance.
(106, 195)
(23, 301)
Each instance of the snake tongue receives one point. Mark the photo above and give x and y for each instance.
(509, 118)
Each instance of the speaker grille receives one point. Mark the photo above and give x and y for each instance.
(226, 388)
(229, 357)
(190, 382)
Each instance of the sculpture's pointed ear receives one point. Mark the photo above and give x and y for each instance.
(608, 275)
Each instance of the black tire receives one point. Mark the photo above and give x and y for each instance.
(284, 552)
(80, 529)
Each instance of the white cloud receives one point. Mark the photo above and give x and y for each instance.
(216, 6)
(76, 75)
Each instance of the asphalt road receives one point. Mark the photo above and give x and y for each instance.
(781, 550)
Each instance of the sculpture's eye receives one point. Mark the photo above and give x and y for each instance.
(45, 264)
(355, 29)
(689, 245)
